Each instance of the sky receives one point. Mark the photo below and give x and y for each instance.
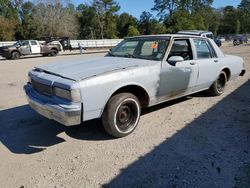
(136, 7)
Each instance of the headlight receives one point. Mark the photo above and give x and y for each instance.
(75, 95)
(72, 95)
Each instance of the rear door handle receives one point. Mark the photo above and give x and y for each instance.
(216, 60)
(192, 63)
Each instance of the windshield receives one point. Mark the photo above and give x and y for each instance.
(18, 43)
(142, 48)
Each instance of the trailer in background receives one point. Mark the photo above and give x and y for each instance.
(68, 44)
(94, 44)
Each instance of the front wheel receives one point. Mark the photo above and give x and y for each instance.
(219, 84)
(121, 115)
(53, 52)
(15, 55)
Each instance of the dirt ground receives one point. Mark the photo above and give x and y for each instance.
(198, 141)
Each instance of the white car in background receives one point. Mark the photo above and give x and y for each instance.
(139, 72)
(201, 33)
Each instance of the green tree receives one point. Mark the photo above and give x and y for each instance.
(106, 10)
(124, 23)
(180, 20)
(215, 21)
(149, 25)
(8, 19)
(89, 23)
(244, 16)
(237, 26)
(7, 29)
(132, 31)
(144, 23)
(185, 14)
(28, 27)
(157, 27)
(8, 9)
(229, 20)
(56, 18)
(165, 8)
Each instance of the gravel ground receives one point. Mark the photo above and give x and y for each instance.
(198, 141)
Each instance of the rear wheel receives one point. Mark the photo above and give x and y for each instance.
(236, 42)
(15, 55)
(219, 85)
(53, 52)
(121, 115)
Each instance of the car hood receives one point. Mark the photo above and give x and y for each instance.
(7, 47)
(83, 69)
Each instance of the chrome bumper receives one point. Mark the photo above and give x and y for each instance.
(65, 114)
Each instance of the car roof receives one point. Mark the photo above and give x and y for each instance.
(165, 36)
(194, 32)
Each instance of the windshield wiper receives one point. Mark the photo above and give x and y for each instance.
(130, 55)
(111, 55)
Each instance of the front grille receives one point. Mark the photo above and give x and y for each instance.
(41, 88)
(1, 51)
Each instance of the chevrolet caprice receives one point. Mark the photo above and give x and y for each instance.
(139, 72)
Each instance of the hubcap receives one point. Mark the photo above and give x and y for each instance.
(16, 56)
(127, 115)
(221, 82)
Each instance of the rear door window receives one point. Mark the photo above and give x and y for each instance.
(202, 49)
(34, 43)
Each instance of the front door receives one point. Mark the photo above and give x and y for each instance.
(25, 48)
(180, 78)
(35, 47)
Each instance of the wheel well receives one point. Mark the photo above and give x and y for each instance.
(138, 91)
(228, 73)
(54, 49)
(15, 51)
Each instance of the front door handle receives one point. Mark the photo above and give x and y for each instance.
(192, 63)
(216, 60)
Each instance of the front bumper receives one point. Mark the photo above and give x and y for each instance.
(65, 114)
(243, 72)
(5, 53)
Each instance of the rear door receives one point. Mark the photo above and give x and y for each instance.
(208, 63)
(35, 47)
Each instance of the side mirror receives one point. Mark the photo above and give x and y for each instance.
(175, 59)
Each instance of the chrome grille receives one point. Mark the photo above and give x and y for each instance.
(41, 88)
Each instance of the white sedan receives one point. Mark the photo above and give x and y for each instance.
(139, 72)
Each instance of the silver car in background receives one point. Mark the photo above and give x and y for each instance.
(139, 72)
